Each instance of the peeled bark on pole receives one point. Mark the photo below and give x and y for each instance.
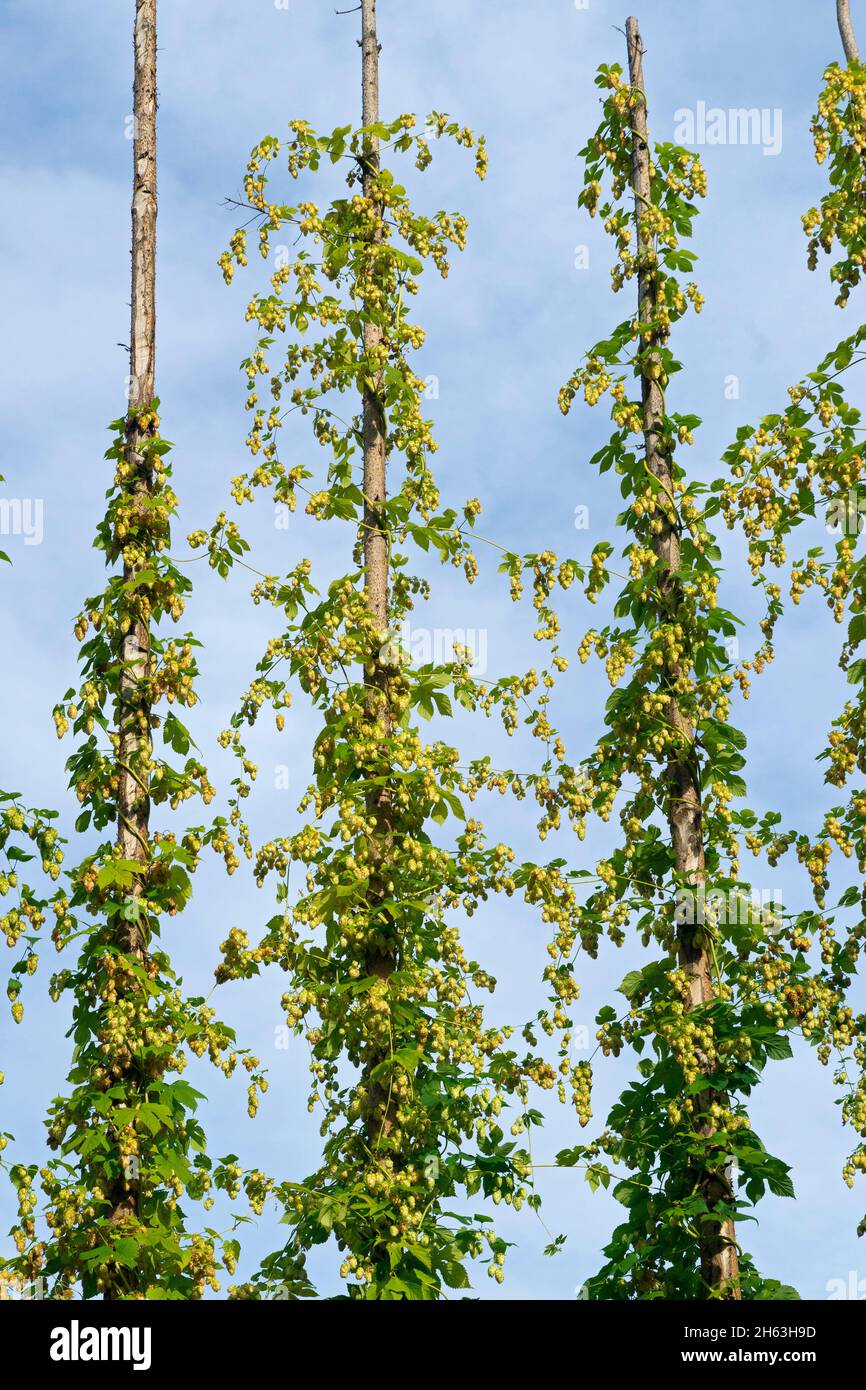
(846, 29)
(133, 706)
(718, 1251)
(375, 486)
(382, 956)
(133, 711)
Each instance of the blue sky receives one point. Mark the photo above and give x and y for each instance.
(503, 333)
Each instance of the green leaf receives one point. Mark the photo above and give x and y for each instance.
(455, 1275)
(126, 1252)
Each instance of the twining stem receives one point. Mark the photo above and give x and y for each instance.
(133, 705)
(718, 1250)
(382, 952)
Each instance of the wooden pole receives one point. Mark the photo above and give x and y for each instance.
(381, 960)
(718, 1251)
(133, 705)
(846, 29)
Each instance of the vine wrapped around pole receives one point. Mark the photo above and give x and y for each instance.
(719, 1261)
(382, 957)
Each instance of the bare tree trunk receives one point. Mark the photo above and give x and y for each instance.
(382, 953)
(718, 1252)
(133, 706)
(846, 29)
